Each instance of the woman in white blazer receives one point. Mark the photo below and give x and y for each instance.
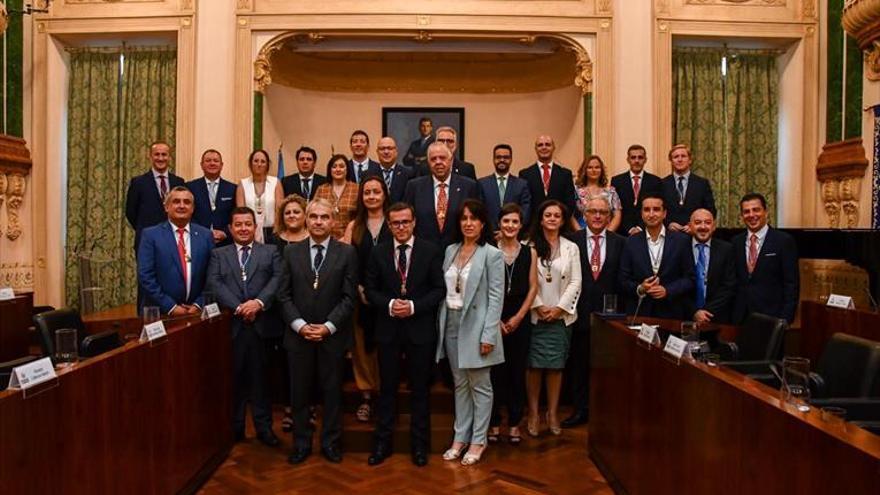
(470, 328)
(554, 310)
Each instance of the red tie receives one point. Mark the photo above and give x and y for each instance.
(546, 177)
(181, 251)
(163, 187)
(441, 205)
(596, 257)
(753, 253)
(636, 189)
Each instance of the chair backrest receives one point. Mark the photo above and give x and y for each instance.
(760, 338)
(850, 367)
(100, 343)
(7, 367)
(49, 322)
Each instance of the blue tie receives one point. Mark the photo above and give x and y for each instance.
(701, 275)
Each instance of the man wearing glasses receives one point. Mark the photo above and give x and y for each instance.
(501, 187)
(447, 136)
(404, 281)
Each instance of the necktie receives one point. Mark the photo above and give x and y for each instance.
(441, 206)
(387, 173)
(360, 176)
(212, 193)
(681, 190)
(636, 188)
(546, 177)
(245, 256)
(596, 257)
(502, 188)
(401, 265)
(163, 186)
(319, 258)
(181, 252)
(753, 253)
(305, 187)
(701, 275)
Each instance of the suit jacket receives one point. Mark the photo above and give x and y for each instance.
(263, 273)
(569, 284)
(480, 320)
(418, 151)
(697, 195)
(332, 301)
(160, 274)
(517, 191)
(372, 168)
(676, 275)
(292, 184)
(420, 194)
(593, 291)
(459, 167)
(143, 203)
(632, 215)
(220, 217)
(773, 288)
(425, 287)
(399, 178)
(561, 186)
(720, 282)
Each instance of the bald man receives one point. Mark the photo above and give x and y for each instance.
(714, 273)
(548, 179)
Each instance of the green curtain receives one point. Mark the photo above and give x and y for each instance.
(116, 109)
(729, 122)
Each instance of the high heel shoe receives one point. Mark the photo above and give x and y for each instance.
(453, 454)
(471, 459)
(554, 428)
(532, 426)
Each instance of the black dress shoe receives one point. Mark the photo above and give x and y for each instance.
(332, 454)
(420, 458)
(378, 456)
(268, 439)
(299, 455)
(578, 418)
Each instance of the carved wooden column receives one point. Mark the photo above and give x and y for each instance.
(15, 166)
(861, 20)
(840, 171)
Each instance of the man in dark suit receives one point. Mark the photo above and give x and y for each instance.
(214, 198)
(405, 283)
(549, 180)
(684, 191)
(600, 258)
(632, 186)
(244, 277)
(656, 268)
(436, 198)
(306, 182)
(767, 275)
(715, 284)
(146, 193)
(360, 166)
(317, 294)
(395, 175)
(417, 154)
(449, 137)
(515, 190)
(172, 259)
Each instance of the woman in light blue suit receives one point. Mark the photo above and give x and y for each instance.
(470, 328)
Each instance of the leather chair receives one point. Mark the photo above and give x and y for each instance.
(849, 367)
(7, 367)
(757, 348)
(49, 322)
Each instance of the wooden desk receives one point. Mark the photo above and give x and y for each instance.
(139, 419)
(659, 427)
(15, 319)
(819, 322)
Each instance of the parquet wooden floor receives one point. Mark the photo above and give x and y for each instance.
(545, 465)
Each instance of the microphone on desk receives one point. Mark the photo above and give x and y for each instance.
(871, 300)
(638, 307)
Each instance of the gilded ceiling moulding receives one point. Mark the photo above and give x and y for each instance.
(582, 70)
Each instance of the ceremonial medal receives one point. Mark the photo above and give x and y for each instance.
(315, 284)
(213, 207)
(243, 276)
(188, 258)
(402, 289)
(458, 284)
(595, 268)
(548, 277)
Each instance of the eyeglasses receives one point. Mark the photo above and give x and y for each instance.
(445, 140)
(503, 158)
(592, 211)
(399, 224)
(386, 148)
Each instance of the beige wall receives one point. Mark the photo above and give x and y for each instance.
(322, 120)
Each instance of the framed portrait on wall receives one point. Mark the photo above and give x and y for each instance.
(402, 123)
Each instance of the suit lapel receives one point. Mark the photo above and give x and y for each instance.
(235, 266)
(172, 239)
(478, 264)
(667, 248)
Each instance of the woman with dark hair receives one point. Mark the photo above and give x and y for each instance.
(341, 193)
(470, 328)
(592, 181)
(520, 287)
(554, 310)
(260, 192)
(364, 232)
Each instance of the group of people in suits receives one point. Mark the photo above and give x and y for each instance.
(497, 276)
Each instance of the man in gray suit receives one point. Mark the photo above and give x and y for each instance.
(244, 278)
(317, 295)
